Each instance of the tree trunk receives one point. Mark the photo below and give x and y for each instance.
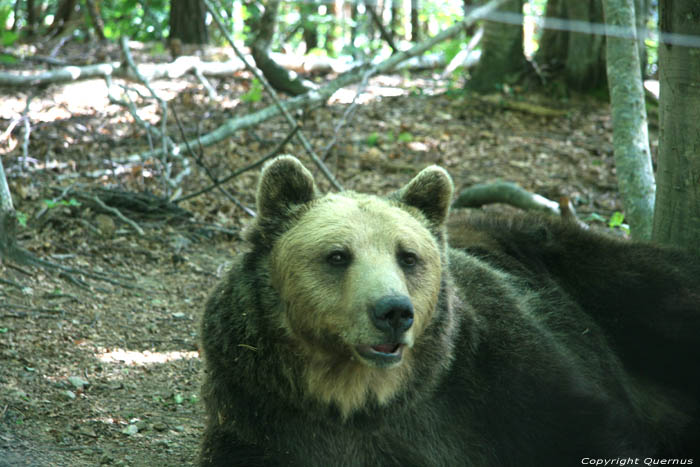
(96, 17)
(578, 57)
(187, 21)
(31, 17)
(63, 14)
(278, 77)
(502, 52)
(677, 217)
(309, 26)
(635, 176)
(415, 25)
(395, 18)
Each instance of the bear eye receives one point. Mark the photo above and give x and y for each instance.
(338, 258)
(408, 259)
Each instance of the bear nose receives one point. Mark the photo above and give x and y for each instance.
(393, 314)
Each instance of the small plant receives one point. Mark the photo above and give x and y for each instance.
(53, 204)
(373, 139)
(405, 137)
(255, 92)
(616, 221)
(21, 218)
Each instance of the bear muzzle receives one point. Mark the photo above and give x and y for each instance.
(393, 316)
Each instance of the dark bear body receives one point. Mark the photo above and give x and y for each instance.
(542, 343)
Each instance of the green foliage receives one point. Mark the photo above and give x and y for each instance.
(52, 204)
(405, 137)
(373, 139)
(21, 218)
(130, 18)
(4, 330)
(7, 37)
(255, 92)
(450, 48)
(616, 221)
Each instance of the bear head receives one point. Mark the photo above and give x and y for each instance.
(358, 277)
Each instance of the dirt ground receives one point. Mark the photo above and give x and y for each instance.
(93, 372)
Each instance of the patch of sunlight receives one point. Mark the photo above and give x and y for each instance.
(146, 357)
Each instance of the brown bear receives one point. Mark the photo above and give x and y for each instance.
(350, 334)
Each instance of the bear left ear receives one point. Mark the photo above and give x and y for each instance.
(431, 192)
(284, 183)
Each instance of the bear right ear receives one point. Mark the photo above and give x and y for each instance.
(284, 182)
(431, 192)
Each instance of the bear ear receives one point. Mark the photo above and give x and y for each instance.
(284, 183)
(431, 192)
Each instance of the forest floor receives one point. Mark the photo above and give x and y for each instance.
(97, 373)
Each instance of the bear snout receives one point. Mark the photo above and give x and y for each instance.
(393, 315)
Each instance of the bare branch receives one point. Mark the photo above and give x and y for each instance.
(321, 95)
(281, 108)
(505, 192)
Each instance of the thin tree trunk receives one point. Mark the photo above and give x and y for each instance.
(677, 217)
(96, 17)
(635, 176)
(415, 25)
(395, 18)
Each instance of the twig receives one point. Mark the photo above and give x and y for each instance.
(382, 30)
(31, 308)
(118, 213)
(304, 142)
(25, 314)
(200, 162)
(12, 283)
(236, 173)
(165, 141)
(58, 198)
(27, 132)
(205, 82)
(348, 112)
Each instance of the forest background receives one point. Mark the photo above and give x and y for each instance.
(131, 136)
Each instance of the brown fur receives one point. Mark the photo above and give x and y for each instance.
(532, 342)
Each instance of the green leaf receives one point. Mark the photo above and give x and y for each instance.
(254, 94)
(52, 204)
(21, 218)
(405, 137)
(8, 59)
(178, 398)
(8, 38)
(4, 330)
(616, 219)
(372, 139)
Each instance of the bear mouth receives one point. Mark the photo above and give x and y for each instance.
(382, 355)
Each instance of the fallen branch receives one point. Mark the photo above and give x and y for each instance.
(236, 173)
(507, 193)
(322, 94)
(118, 213)
(199, 159)
(527, 107)
(278, 104)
